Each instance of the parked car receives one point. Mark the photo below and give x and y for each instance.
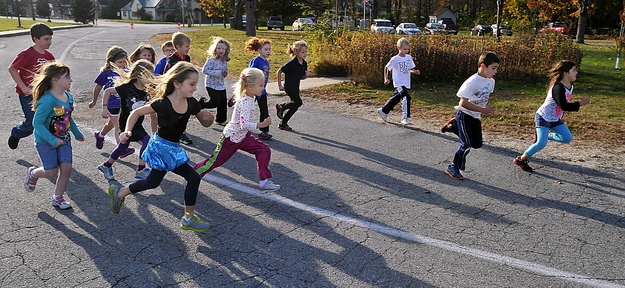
(504, 30)
(481, 30)
(382, 26)
(302, 23)
(408, 28)
(275, 22)
(434, 28)
(449, 25)
(557, 27)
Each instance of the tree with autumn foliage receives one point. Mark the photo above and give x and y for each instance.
(219, 8)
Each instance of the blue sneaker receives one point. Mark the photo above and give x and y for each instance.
(141, 175)
(453, 172)
(107, 171)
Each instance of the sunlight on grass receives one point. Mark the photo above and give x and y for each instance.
(8, 24)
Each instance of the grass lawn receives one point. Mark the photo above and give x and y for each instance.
(7, 24)
(600, 123)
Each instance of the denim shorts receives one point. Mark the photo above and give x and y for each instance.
(541, 122)
(52, 156)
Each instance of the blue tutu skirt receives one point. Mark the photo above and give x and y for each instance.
(164, 155)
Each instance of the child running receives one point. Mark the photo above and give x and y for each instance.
(167, 48)
(116, 60)
(216, 70)
(237, 134)
(401, 65)
(549, 115)
(23, 70)
(173, 102)
(263, 48)
(182, 43)
(143, 51)
(53, 121)
(474, 94)
(133, 95)
(294, 71)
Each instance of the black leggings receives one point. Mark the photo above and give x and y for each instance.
(296, 102)
(156, 176)
(263, 109)
(218, 99)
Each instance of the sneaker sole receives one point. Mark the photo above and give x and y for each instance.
(193, 229)
(452, 176)
(444, 127)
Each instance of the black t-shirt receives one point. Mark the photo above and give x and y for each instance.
(173, 59)
(293, 73)
(171, 124)
(131, 99)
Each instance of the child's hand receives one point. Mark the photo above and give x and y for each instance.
(584, 101)
(124, 136)
(59, 142)
(415, 71)
(386, 81)
(488, 110)
(105, 113)
(81, 139)
(224, 73)
(27, 91)
(307, 74)
(265, 123)
(280, 87)
(92, 104)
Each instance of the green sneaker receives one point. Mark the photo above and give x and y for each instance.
(116, 202)
(196, 224)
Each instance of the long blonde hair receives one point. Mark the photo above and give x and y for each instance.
(113, 54)
(43, 81)
(142, 69)
(211, 52)
(165, 84)
(249, 76)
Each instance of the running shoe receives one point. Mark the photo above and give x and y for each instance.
(269, 186)
(13, 141)
(128, 152)
(184, 139)
(523, 164)
(99, 140)
(31, 181)
(383, 115)
(264, 135)
(195, 224)
(61, 203)
(142, 174)
(107, 171)
(284, 127)
(116, 202)
(453, 172)
(279, 111)
(406, 121)
(448, 127)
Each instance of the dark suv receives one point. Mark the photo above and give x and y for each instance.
(275, 22)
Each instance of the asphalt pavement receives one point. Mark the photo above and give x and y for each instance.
(362, 204)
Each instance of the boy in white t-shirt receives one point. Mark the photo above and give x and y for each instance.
(474, 94)
(401, 66)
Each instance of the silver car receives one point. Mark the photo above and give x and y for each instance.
(408, 29)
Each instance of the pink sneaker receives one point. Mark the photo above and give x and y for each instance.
(99, 140)
(128, 152)
(31, 181)
(61, 203)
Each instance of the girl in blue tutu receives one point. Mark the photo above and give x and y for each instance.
(173, 104)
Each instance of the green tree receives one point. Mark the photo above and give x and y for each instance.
(219, 8)
(82, 10)
(43, 9)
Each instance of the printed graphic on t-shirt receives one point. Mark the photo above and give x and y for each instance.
(482, 96)
(60, 123)
(404, 67)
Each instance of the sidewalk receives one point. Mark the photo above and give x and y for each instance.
(272, 87)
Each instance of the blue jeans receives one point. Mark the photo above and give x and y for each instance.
(26, 127)
(560, 133)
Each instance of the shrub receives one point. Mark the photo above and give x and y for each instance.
(445, 58)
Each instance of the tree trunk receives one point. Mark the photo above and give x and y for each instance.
(250, 28)
(237, 21)
(581, 23)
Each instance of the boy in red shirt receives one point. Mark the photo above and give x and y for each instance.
(23, 69)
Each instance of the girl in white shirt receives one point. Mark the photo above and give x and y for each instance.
(237, 133)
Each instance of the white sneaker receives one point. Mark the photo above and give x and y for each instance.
(382, 114)
(61, 203)
(31, 181)
(406, 121)
(269, 186)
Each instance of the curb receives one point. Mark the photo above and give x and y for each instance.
(27, 31)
